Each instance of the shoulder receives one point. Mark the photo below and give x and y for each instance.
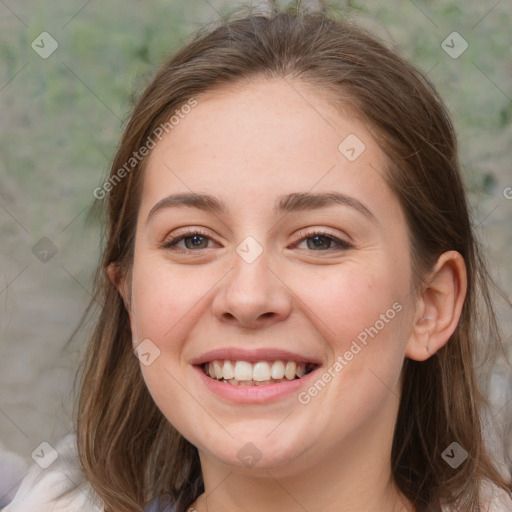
(60, 487)
(494, 499)
(160, 505)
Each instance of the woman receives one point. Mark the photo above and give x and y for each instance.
(289, 254)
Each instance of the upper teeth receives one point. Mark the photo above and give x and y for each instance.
(260, 371)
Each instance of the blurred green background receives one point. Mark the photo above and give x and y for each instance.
(61, 119)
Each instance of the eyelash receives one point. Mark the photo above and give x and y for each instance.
(171, 243)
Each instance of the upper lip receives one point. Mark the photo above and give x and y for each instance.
(252, 356)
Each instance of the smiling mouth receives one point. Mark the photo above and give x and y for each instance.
(261, 373)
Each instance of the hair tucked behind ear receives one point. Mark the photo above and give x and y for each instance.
(129, 452)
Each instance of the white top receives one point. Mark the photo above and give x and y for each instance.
(62, 487)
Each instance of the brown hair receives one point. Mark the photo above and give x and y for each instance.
(129, 451)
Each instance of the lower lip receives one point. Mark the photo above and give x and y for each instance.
(254, 394)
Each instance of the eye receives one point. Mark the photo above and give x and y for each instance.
(194, 240)
(320, 241)
(188, 241)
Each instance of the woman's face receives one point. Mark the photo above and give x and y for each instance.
(268, 242)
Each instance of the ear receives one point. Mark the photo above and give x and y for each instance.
(439, 307)
(117, 277)
(120, 280)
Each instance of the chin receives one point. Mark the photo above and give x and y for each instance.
(259, 453)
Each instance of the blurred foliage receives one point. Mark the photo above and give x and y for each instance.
(62, 117)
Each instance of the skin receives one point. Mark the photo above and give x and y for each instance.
(248, 145)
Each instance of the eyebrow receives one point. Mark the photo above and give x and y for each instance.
(295, 202)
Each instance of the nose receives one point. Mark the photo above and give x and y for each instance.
(252, 295)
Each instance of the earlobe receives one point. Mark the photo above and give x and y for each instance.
(439, 307)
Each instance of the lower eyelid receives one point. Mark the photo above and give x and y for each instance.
(337, 246)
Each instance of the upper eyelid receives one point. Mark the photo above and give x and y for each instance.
(305, 232)
(180, 236)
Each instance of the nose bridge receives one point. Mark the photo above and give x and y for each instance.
(252, 295)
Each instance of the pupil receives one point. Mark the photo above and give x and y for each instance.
(194, 241)
(319, 241)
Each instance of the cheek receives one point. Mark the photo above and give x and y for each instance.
(349, 299)
(164, 299)
(360, 311)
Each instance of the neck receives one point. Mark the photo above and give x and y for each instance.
(355, 475)
(235, 494)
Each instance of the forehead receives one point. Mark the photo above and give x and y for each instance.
(267, 138)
